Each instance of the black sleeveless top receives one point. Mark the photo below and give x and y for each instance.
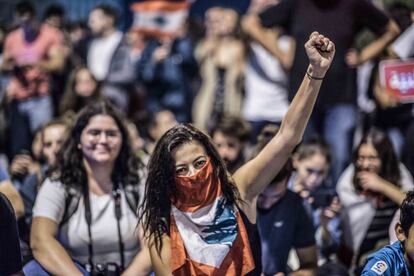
(255, 245)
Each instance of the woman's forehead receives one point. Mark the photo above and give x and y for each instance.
(188, 152)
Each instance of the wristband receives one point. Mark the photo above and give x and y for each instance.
(312, 77)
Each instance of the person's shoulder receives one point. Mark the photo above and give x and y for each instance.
(293, 196)
(384, 261)
(13, 35)
(293, 200)
(52, 183)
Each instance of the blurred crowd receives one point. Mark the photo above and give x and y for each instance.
(64, 86)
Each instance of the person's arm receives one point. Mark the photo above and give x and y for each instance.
(55, 61)
(374, 48)
(384, 99)
(7, 188)
(8, 62)
(161, 262)
(141, 265)
(48, 251)
(256, 174)
(308, 261)
(373, 182)
(267, 38)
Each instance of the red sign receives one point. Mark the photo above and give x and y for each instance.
(398, 78)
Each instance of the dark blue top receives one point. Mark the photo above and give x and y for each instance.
(387, 261)
(10, 258)
(284, 226)
(3, 174)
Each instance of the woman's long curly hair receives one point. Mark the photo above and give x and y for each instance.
(161, 189)
(390, 169)
(70, 169)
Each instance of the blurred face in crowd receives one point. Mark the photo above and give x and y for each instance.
(367, 159)
(85, 84)
(99, 22)
(101, 140)
(55, 21)
(221, 21)
(135, 39)
(137, 142)
(24, 19)
(164, 120)
(230, 148)
(271, 195)
(311, 171)
(52, 139)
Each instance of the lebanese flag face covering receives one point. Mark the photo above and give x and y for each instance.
(208, 236)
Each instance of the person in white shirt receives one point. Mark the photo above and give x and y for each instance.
(96, 169)
(109, 56)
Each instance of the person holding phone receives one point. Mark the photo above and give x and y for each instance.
(312, 162)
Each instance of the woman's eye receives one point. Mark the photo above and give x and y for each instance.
(200, 163)
(94, 132)
(180, 171)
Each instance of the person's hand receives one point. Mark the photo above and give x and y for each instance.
(371, 181)
(161, 52)
(330, 212)
(320, 51)
(21, 165)
(352, 58)
(257, 6)
(385, 99)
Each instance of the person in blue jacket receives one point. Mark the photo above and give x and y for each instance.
(398, 258)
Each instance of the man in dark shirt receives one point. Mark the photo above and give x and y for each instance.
(284, 224)
(335, 113)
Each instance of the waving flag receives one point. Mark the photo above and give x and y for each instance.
(160, 18)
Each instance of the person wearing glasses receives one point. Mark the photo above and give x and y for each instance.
(85, 214)
(370, 190)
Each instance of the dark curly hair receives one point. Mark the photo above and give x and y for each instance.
(70, 169)
(390, 169)
(161, 190)
(407, 212)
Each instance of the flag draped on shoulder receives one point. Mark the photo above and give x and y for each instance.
(208, 236)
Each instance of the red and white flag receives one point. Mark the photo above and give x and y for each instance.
(160, 18)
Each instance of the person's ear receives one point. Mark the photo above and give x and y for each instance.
(399, 232)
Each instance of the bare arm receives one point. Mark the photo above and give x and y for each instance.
(56, 60)
(252, 178)
(7, 63)
(48, 251)
(141, 265)
(373, 182)
(267, 38)
(161, 262)
(375, 48)
(7, 188)
(308, 261)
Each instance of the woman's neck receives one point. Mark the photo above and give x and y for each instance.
(99, 178)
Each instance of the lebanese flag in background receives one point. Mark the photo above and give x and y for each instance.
(160, 18)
